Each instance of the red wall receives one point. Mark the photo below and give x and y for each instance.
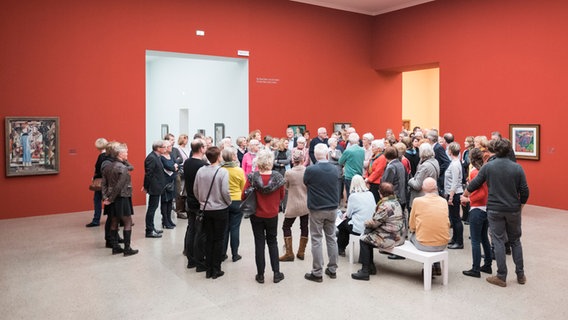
(501, 62)
(84, 61)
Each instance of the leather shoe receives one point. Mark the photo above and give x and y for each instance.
(181, 215)
(486, 269)
(158, 231)
(341, 253)
(450, 243)
(153, 234)
(237, 257)
(496, 281)
(259, 278)
(472, 273)
(360, 275)
(310, 276)
(92, 224)
(521, 279)
(455, 246)
(278, 276)
(332, 275)
(395, 257)
(200, 268)
(217, 274)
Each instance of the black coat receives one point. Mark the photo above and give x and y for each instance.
(154, 178)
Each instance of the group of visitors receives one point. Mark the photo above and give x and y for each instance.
(383, 190)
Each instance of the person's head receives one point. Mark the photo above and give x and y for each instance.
(401, 148)
(390, 141)
(367, 139)
(448, 138)
(290, 133)
(429, 185)
(389, 133)
(265, 160)
(353, 138)
(197, 146)
(468, 142)
(226, 143)
(322, 133)
(301, 142)
(242, 142)
(213, 154)
(377, 146)
(320, 151)
(255, 134)
(253, 145)
(386, 189)
(454, 149)
(501, 147)
(229, 154)
(168, 146)
(267, 139)
(171, 138)
(480, 142)
(358, 184)
(407, 142)
(416, 130)
(332, 142)
(476, 158)
(198, 135)
(351, 130)
(208, 142)
(390, 153)
(282, 144)
(426, 152)
(416, 141)
(496, 135)
(101, 143)
(121, 152)
(157, 146)
(432, 136)
(306, 134)
(403, 134)
(298, 157)
(111, 148)
(182, 139)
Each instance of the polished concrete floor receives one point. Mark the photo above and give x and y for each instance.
(52, 267)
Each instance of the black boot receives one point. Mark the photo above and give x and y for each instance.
(362, 274)
(116, 248)
(128, 251)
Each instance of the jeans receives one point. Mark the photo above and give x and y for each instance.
(265, 231)
(322, 222)
(233, 228)
(98, 202)
(478, 226)
(153, 203)
(503, 226)
(455, 219)
(214, 225)
(288, 222)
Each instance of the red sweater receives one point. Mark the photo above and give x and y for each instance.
(478, 198)
(267, 205)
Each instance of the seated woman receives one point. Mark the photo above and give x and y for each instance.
(385, 230)
(360, 208)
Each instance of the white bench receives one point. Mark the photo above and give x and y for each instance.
(409, 251)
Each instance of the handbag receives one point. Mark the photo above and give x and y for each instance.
(201, 212)
(96, 184)
(248, 205)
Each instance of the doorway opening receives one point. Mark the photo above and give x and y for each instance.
(421, 98)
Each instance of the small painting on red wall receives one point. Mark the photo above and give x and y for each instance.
(525, 139)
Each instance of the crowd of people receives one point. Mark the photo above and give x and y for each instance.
(418, 186)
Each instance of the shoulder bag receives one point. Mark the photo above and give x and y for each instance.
(248, 205)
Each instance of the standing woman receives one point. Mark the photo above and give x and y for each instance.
(428, 167)
(249, 161)
(282, 157)
(236, 184)
(117, 192)
(453, 190)
(269, 190)
(169, 192)
(215, 204)
(181, 194)
(100, 144)
(465, 161)
(297, 206)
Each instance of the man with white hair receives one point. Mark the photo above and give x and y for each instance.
(321, 180)
(440, 155)
(321, 138)
(352, 160)
(367, 139)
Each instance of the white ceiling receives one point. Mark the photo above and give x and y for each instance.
(368, 7)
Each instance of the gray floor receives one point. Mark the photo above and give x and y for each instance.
(52, 267)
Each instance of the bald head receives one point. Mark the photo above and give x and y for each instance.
(429, 186)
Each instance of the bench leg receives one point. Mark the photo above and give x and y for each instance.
(427, 276)
(445, 268)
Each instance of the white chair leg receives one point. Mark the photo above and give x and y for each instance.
(427, 276)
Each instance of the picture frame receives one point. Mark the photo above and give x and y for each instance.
(32, 146)
(219, 133)
(341, 126)
(299, 129)
(525, 140)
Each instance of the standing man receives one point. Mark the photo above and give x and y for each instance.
(508, 193)
(321, 138)
(440, 155)
(154, 182)
(352, 161)
(321, 180)
(292, 140)
(194, 242)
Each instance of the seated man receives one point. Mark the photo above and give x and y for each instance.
(429, 223)
(385, 230)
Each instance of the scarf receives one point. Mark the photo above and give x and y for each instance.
(276, 181)
(230, 164)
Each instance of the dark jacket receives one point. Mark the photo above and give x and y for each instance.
(322, 182)
(116, 181)
(154, 178)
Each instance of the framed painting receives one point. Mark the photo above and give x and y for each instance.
(164, 130)
(299, 129)
(219, 133)
(32, 146)
(341, 126)
(525, 139)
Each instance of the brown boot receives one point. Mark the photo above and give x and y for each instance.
(302, 248)
(289, 255)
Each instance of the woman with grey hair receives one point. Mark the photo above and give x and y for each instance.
(360, 208)
(452, 191)
(428, 167)
(236, 184)
(269, 190)
(302, 145)
(100, 144)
